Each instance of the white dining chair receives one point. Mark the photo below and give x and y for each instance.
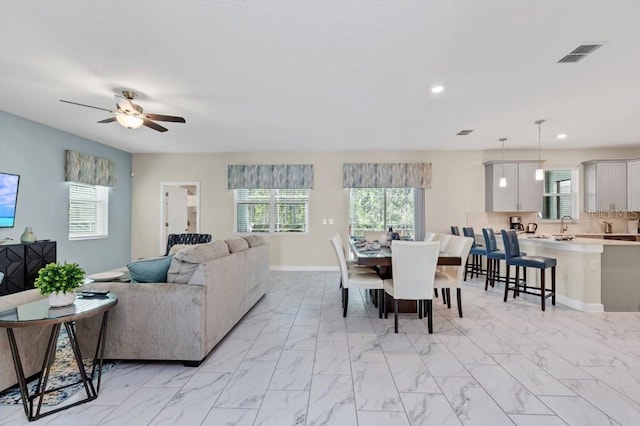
(444, 239)
(414, 268)
(448, 277)
(431, 236)
(379, 236)
(356, 278)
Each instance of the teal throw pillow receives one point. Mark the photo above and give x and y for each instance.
(150, 270)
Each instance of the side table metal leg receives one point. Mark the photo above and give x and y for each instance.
(88, 384)
(98, 357)
(17, 363)
(49, 357)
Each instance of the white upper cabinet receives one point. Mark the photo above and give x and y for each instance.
(605, 185)
(523, 192)
(633, 185)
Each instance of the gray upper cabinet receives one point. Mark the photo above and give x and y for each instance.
(523, 192)
(605, 185)
(633, 185)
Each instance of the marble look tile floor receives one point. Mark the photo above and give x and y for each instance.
(294, 360)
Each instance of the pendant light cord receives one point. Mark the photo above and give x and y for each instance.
(539, 123)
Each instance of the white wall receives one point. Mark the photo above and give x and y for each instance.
(457, 189)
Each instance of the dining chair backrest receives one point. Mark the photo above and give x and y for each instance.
(379, 236)
(342, 261)
(511, 245)
(414, 267)
(444, 239)
(459, 246)
(455, 230)
(430, 236)
(468, 231)
(490, 243)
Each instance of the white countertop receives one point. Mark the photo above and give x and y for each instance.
(579, 244)
(602, 234)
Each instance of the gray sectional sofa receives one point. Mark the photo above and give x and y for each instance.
(210, 288)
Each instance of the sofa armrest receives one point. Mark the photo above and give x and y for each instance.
(155, 321)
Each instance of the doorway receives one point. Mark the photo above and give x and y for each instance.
(180, 209)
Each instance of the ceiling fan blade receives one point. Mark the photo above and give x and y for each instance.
(154, 126)
(159, 117)
(85, 105)
(108, 120)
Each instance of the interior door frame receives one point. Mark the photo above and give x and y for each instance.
(163, 243)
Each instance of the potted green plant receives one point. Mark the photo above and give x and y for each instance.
(59, 282)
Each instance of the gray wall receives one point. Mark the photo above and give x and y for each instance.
(36, 153)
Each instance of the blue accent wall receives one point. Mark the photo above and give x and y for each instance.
(37, 153)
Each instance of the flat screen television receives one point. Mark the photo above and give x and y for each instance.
(8, 199)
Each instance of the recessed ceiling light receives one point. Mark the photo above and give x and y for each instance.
(437, 89)
(561, 136)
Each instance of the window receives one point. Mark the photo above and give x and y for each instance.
(559, 194)
(88, 211)
(272, 210)
(379, 209)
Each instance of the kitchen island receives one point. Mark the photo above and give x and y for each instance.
(592, 275)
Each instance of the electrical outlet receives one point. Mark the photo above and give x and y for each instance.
(324, 221)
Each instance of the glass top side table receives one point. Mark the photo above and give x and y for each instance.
(39, 313)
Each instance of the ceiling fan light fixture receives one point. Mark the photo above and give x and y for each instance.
(129, 121)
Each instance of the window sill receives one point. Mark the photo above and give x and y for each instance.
(273, 234)
(88, 237)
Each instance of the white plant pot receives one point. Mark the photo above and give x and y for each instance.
(57, 300)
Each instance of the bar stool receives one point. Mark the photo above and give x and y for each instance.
(514, 257)
(493, 257)
(476, 252)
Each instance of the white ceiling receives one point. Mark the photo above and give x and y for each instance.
(330, 75)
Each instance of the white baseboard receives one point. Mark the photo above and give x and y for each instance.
(305, 268)
(579, 305)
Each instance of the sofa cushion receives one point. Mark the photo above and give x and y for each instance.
(199, 253)
(186, 261)
(237, 244)
(254, 240)
(176, 248)
(150, 270)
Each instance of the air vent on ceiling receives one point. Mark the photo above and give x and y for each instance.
(464, 132)
(579, 53)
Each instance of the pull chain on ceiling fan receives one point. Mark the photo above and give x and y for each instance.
(131, 115)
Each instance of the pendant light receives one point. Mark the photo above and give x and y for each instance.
(539, 170)
(503, 179)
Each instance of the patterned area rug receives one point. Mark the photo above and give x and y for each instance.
(64, 371)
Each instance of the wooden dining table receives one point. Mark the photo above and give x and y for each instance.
(381, 259)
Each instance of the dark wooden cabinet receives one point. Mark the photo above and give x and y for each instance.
(20, 264)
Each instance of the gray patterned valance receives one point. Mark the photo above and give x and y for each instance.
(90, 170)
(266, 176)
(386, 175)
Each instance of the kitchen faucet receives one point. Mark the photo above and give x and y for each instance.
(563, 227)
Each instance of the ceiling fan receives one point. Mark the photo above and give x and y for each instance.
(130, 115)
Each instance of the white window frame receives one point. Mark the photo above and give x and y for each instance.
(575, 186)
(272, 213)
(97, 208)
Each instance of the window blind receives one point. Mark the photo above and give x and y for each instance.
(271, 210)
(88, 211)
